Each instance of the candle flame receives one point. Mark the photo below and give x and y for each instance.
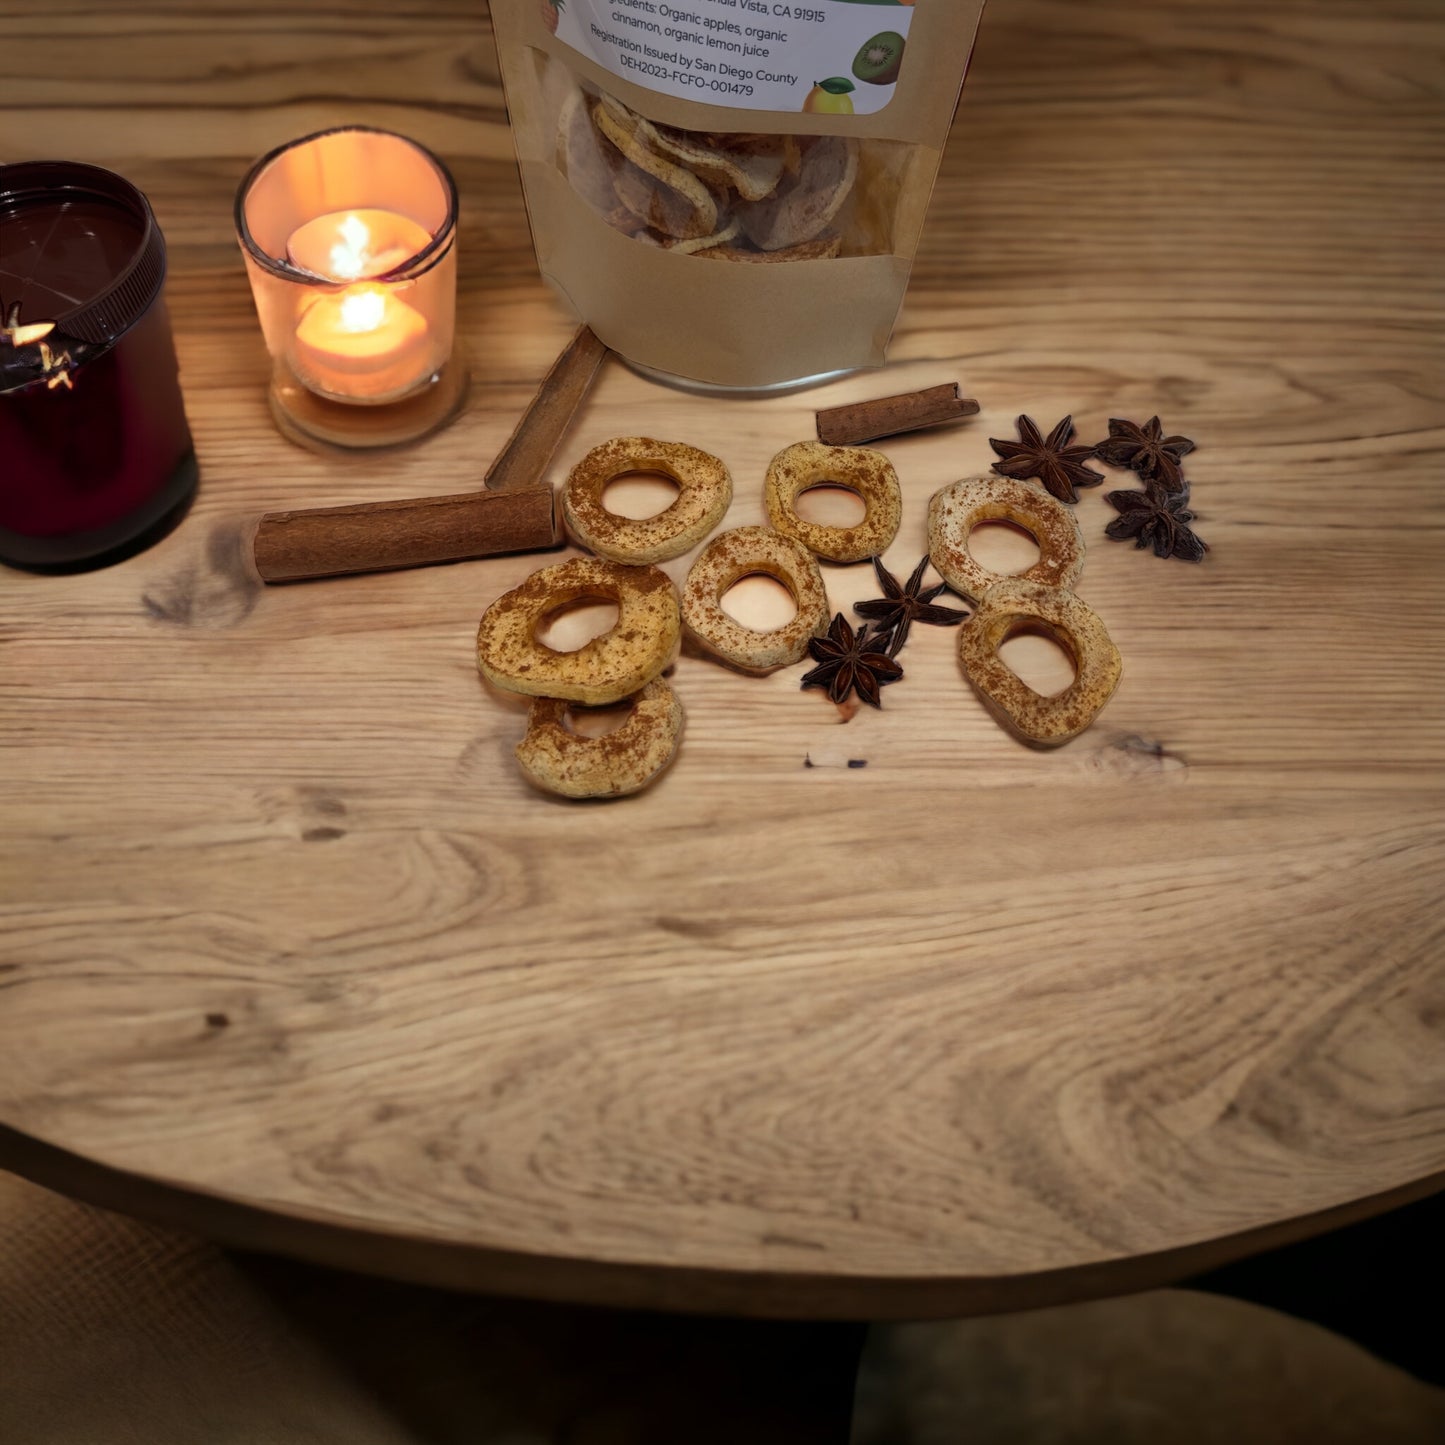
(363, 309)
(351, 255)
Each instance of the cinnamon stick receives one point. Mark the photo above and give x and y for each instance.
(384, 536)
(514, 511)
(886, 416)
(528, 450)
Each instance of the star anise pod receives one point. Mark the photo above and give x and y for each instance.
(850, 662)
(903, 605)
(1156, 520)
(1057, 465)
(1146, 450)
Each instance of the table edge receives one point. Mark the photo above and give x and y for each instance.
(680, 1289)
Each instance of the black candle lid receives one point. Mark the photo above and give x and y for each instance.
(79, 247)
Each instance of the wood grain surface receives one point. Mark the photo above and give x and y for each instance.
(291, 953)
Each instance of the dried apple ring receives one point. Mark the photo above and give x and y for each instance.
(623, 761)
(957, 509)
(1014, 606)
(746, 552)
(858, 469)
(705, 491)
(620, 662)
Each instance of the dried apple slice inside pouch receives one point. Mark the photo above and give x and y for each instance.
(805, 205)
(749, 163)
(821, 248)
(751, 166)
(584, 156)
(668, 197)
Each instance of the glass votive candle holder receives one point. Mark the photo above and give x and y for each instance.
(350, 241)
(96, 458)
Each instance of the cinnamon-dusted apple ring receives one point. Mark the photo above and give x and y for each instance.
(623, 761)
(705, 491)
(620, 662)
(1014, 606)
(746, 552)
(858, 469)
(957, 509)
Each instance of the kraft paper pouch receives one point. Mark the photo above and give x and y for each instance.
(731, 192)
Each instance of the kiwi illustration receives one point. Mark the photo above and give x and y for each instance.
(879, 59)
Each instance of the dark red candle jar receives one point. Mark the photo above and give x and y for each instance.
(96, 458)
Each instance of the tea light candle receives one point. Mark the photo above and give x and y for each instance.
(350, 241)
(365, 342)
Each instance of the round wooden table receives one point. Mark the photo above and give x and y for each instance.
(880, 1017)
